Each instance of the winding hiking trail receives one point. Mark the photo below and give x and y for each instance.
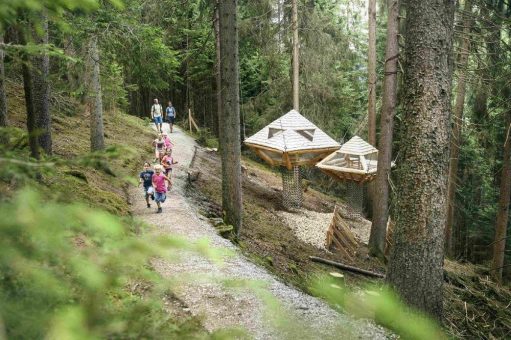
(221, 306)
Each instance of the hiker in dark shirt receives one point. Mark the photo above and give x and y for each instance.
(146, 178)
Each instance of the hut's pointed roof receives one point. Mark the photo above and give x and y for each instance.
(357, 146)
(292, 132)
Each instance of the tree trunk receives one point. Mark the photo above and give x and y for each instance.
(230, 115)
(499, 245)
(3, 96)
(41, 91)
(29, 104)
(218, 66)
(296, 56)
(416, 260)
(95, 100)
(371, 68)
(381, 185)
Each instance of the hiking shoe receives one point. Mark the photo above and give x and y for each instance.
(159, 211)
(148, 205)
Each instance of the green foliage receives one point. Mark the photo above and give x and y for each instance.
(72, 272)
(381, 305)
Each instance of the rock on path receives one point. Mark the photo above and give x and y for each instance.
(297, 315)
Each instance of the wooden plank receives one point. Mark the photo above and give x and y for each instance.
(262, 147)
(343, 170)
(190, 119)
(264, 156)
(320, 150)
(364, 163)
(287, 160)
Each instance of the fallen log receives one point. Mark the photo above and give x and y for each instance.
(346, 267)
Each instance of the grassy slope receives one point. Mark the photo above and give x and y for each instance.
(73, 182)
(107, 190)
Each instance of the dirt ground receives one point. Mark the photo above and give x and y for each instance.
(266, 237)
(475, 307)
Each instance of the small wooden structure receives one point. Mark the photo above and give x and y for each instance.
(291, 140)
(340, 238)
(355, 161)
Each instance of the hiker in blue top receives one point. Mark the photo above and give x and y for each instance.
(171, 115)
(146, 178)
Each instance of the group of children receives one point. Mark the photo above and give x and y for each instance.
(153, 178)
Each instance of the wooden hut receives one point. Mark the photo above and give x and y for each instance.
(355, 161)
(290, 141)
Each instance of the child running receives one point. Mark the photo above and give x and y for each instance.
(166, 139)
(160, 189)
(167, 162)
(159, 148)
(146, 178)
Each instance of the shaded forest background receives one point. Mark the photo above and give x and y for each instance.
(70, 57)
(167, 50)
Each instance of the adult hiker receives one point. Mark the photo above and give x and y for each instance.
(171, 115)
(159, 186)
(157, 115)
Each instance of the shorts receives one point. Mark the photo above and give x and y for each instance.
(170, 120)
(168, 171)
(157, 120)
(160, 197)
(148, 190)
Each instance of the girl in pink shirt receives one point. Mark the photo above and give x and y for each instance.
(160, 189)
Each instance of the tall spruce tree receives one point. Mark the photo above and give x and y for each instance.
(381, 185)
(416, 261)
(229, 117)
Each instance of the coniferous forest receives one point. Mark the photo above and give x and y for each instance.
(415, 242)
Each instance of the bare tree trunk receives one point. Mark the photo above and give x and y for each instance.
(29, 104)
(3, 96)
(499, 245)
(296, 56)
(41, 91)
(457, 126)
(371, 67)
(218, 65)
(95, 100)
(381, 185)
(416, 260)
(230, 116)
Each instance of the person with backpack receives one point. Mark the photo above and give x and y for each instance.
(171, 115)
(157, 115)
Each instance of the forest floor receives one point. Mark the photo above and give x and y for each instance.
(236, 293)
(475, 306)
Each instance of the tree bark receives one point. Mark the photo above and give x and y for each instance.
(41, 91)
(230, 115)
(296, 56)
(218, 66)
(95, 100)
(381, 185)
(29, 104)
(416, 260)
(371, 68)
(499, 245)
(3, 96)
(457, 125)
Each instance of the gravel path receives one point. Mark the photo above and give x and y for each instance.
(224, 306)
